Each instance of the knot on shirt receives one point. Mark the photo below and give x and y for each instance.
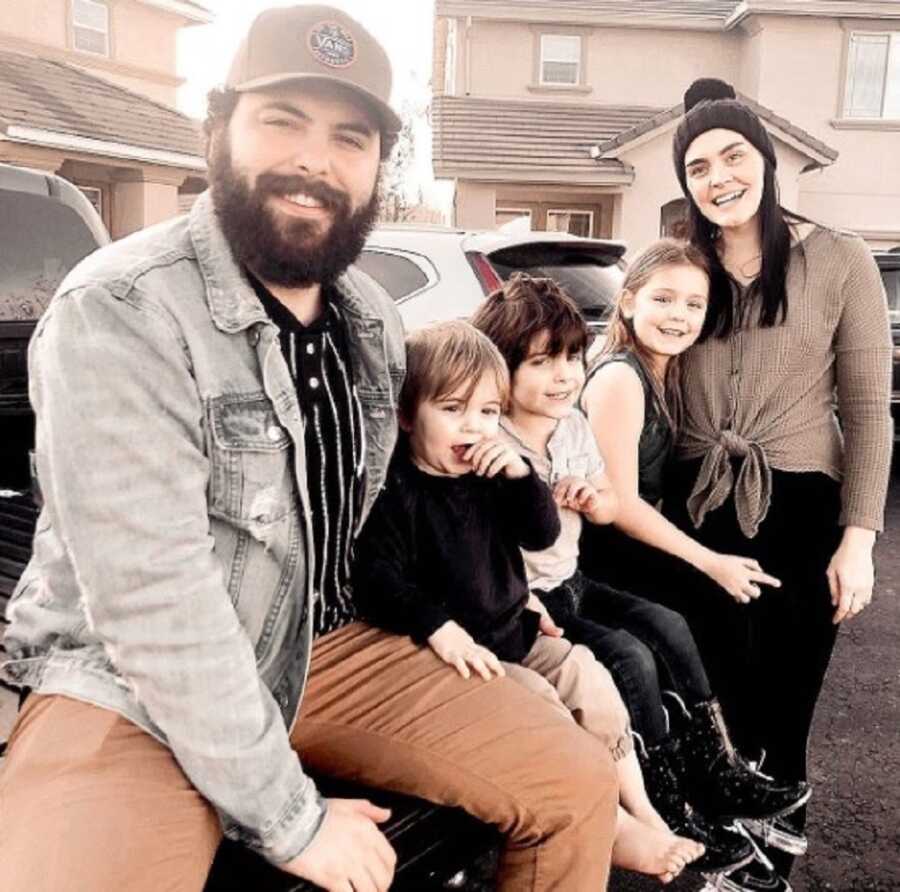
(734, 444)
(716, 481)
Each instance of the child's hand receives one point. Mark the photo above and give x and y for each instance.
(456, 647)
(576, 493)
(546, 626)
(491, 457)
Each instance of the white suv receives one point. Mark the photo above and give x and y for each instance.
(435, 273)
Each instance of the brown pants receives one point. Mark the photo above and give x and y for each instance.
(571, 676)
(90, 803)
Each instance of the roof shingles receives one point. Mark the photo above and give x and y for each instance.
(520, 135)
(528, 136)
(701, 11)
(50, 95)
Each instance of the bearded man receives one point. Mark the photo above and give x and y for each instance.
(215, 405)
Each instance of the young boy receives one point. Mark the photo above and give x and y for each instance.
(440, 559)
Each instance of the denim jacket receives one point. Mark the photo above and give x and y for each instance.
(170, 570)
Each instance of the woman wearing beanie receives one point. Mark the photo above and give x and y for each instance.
(766, 468)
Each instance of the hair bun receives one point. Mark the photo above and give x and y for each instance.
(710, 88)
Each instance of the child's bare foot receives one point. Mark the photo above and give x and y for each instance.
(645, 849)
(650, 816)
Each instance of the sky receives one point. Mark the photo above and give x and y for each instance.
(403, 27)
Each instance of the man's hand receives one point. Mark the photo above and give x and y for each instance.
(546, 626)
(349, 852)
(456, 647)
(492, 457)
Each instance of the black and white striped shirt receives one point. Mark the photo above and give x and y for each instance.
(319, 361)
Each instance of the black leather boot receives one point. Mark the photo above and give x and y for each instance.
(720, 783)
(726, 850)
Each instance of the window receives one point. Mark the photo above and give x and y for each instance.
(95, 197)
(42, 240)
(513, 219)
(891, 279)
(560, 59)
(873, 76)
(398, 275)
(90, 27)
(673, 218)
(580, 223)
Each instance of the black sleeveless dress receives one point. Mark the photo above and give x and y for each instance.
(606, 553)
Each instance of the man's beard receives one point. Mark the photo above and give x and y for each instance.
(294, 253)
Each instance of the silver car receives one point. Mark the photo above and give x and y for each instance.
(436, 273)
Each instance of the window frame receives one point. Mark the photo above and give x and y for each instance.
(893, 47)
(570, 211)
(420, 261)
(539, 32)
(579, 70)
(519, 212)
(76, 26)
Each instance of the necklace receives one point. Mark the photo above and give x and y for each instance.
(753, 266)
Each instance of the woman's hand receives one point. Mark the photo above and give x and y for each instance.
(456, 647)
(851, 574)
(741, 577)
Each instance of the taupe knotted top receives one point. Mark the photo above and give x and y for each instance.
(765, 396)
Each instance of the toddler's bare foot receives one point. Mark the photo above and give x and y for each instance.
(645, 849)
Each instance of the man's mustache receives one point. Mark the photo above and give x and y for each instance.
(281, 184)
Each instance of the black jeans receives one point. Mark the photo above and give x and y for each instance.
(766, 660)
(645, 646)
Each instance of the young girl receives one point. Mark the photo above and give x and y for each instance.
(646, 646)
(439, 559)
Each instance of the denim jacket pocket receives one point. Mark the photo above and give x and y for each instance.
(250, 479)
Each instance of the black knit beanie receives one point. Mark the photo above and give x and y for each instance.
(709, 104)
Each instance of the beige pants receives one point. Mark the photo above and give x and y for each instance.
(90, 803)
(558, 670)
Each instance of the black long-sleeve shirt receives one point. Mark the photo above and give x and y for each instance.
(441, 548)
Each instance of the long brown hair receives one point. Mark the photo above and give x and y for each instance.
(620, 336)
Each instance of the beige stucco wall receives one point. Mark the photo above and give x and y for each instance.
(43, 21)
(474, 205)
(139, 204)
(617, 69)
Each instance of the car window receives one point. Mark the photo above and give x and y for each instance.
(40, 241)
(892, 287)
(399, 276)
(589, 282)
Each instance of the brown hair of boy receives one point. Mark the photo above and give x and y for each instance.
(620, 336)
(527, 306)
(444, 357)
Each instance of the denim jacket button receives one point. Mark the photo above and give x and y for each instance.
(274, 433)
(253, 337)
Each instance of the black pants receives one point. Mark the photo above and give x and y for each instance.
(766, 660)
(645, 646)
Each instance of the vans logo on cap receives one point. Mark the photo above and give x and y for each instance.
(332, 45)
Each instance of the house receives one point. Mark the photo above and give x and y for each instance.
(88, 91)
(559, 115)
